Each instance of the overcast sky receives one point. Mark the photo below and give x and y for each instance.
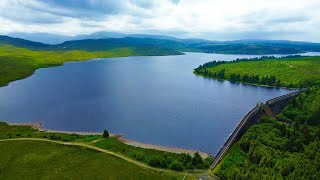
(210, 19)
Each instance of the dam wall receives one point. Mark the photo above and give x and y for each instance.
(270, 108)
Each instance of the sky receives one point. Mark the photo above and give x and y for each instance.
(208, 19)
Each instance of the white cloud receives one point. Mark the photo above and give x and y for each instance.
(211, 19)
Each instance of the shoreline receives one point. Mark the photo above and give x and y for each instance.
(244, 83)
(119, 137)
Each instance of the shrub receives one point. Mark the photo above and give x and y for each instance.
(140, 156)
(187, 159)
(54, 137)
(200, 166)
(208, 161)
(9, 135)
(176, 165)
(105, 134)
(197, 159)
(155, 161)
(189, 165)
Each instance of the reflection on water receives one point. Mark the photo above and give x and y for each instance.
(155, 100)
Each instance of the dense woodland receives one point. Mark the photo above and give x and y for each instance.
(283, 148)
(286, 147)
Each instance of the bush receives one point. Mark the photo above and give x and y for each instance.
(208, 161)
(187, 159)
(155, 161)
(9, 135)
(189, 165)
(105, 134)
(200, 166)
(197, 159)
(139, 156)
(176, 165)
(54, 137)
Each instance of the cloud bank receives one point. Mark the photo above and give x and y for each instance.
(209, 19)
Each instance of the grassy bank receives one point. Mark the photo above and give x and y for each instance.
(285, 72)
(154, 158)
(18, 63)
(286, 147)
(45, 160)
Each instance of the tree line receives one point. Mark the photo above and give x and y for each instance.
(262, 58)
(251, 79)
(282, 148)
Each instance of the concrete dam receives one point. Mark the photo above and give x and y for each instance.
(270, 108)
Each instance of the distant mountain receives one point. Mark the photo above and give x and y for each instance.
(42, 37)
(141, 42)
(99, 35)
(48, 38)
(249, 49)
(58, 39)
(253, 46)
(24, 43)
(139, 45)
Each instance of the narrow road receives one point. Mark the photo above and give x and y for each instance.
(90, 147)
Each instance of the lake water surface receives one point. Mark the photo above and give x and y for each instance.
(155, 100)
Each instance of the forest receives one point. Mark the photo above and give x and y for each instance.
(282, 148)
(285, 147)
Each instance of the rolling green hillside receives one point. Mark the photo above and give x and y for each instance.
(249, 49)
(18, 63)
(161, 45)
(151, 157)
(46, 160)
(145, 47)
(283, 148)
(19, 58)
(287, 72)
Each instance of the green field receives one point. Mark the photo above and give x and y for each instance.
(45, 160)
(18, 63)
(291, 72)
(283, 148)
(151, 157)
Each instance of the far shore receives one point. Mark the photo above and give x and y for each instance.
(39, 127)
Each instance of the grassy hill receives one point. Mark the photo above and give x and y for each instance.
(19, 58)
(249, 49)
(282, 148)
(147, 157)
(45, 160)
(163, 45)
(286, 147)
(18, 63)
(288, 72)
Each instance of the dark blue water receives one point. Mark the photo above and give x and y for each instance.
(155, 100)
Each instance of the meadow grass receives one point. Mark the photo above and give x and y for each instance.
(147, 156)
(294, 71)
(46, 160)
(18, 63)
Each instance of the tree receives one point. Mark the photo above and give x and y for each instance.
(105, 134)
(155, 161)
(176, 165)
(197, 159)
(187, 159)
